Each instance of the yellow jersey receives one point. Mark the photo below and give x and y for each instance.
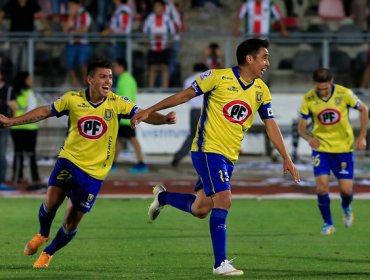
(228, 110)
(92, 130)
(330, 118)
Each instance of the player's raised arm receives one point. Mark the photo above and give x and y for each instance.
(274, 134)
(32, 116)
(171, 101)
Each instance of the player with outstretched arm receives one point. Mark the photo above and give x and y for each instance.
(86, 156)
(231, 98)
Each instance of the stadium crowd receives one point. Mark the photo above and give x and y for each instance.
(160, 24)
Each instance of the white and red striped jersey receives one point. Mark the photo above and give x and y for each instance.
(81, 20)
(121, 20)
(159, 28)
(259, 15)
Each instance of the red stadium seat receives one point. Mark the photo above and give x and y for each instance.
(331, 10)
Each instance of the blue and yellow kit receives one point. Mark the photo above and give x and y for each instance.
(92, 129)
(330, 118)
(229, 107)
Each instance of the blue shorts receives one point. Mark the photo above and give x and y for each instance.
(214, 172)
(81, 188)
(78, 55)
(340, 164)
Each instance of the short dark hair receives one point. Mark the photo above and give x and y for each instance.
(122, 62)
(322, 75)
(98, 63)
(200, 67)
(250, 47)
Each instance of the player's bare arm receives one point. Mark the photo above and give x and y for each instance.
(33, 116)
(360, 143)
(302, 130)
(169, 102)
(157, 118)
(274, 134)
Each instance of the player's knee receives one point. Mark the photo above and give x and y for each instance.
(201, 213)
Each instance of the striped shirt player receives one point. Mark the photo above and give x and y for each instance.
(332, 141)
(78, 23)
(120, 26)
(258, 14)
(121, 20)
(78, 50)
(159, 28)
(231, 99)
(86, 156)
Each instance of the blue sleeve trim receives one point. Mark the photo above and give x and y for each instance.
(56, 113)
(130, 115)
(265, 111)
(304, 116)
(357, 104)
(196, 88)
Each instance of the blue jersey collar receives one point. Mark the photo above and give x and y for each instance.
(237, 75)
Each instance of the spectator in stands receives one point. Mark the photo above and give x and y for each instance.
(141, 10)
(195, 110)
(78, 48)
(366, 75)
(361, 9)
(7, 108)
(120, 25)
(214, 56)
(257, 13)
(22, 15)
(103, 10)
(59, 7)
(25, 102)
(172, 11)
(159, 28)
(201, 3)
(127, 87)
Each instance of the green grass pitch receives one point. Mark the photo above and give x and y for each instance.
(272, 239)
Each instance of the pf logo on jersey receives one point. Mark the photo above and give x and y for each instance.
(237, 111)
(92, 127)
(329, 116)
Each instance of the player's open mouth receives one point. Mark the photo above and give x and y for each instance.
(106, 88)
(263, 71)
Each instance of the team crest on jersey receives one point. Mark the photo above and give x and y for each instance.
(329, 116)
(259, 96)
(338, 100)
(92, 127)
(237, 111)
(205, 74)
(108, 114)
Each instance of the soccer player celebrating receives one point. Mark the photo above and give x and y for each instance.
(332, 141)
(86, 156)
(232, 97)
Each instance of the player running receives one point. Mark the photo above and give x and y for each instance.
(232, 97)
(332, 140)
(86, 156)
